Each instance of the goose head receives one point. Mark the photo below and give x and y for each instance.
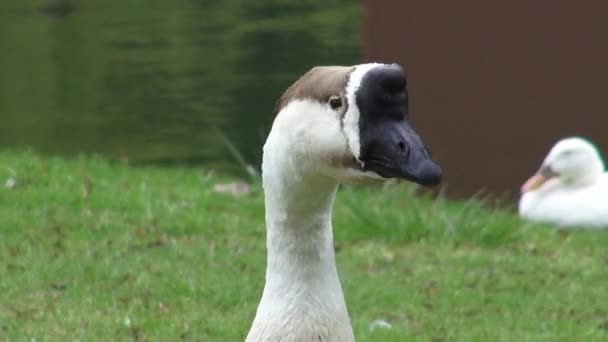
(351, 124)
(572, 161)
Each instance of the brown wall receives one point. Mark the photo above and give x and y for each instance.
(494, 84)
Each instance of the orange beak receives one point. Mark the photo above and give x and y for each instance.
(540, 178)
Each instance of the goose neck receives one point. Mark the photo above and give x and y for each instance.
(299, 231)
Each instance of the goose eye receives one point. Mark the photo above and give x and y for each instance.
(335, 102)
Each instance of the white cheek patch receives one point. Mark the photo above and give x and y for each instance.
(309, 130)
(351, 117)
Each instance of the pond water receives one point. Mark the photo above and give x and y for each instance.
(154, 81)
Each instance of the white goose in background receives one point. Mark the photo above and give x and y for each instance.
(570, 189)
(335, 124)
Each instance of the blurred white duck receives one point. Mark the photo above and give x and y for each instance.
(570, 189)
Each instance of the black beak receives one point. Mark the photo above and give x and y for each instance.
(389, 144)
(398, 152)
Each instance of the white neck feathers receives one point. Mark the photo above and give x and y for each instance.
(302, 298)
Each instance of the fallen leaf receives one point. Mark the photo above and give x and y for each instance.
(237, 188)
(11, 183)
(379, 324)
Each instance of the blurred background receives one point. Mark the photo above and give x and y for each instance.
(148, 80)
(492, 85)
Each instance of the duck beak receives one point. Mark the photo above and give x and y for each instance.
(541, 177)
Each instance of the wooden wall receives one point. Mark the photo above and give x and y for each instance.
(494, 84)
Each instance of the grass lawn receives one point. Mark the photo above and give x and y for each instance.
(93, 250)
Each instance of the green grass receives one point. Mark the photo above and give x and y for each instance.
(93, 250)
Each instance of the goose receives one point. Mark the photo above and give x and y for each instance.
(570, 189)
(335, 124)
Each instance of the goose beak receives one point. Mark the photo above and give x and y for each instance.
(541, 177)
(389, 145)
(398, 152)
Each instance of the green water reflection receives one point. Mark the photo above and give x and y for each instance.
(149, 80)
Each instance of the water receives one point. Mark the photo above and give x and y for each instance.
(154, 81)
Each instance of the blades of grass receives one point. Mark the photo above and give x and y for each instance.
(238, 156)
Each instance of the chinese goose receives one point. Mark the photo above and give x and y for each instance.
(336, 124)
(570, 189)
